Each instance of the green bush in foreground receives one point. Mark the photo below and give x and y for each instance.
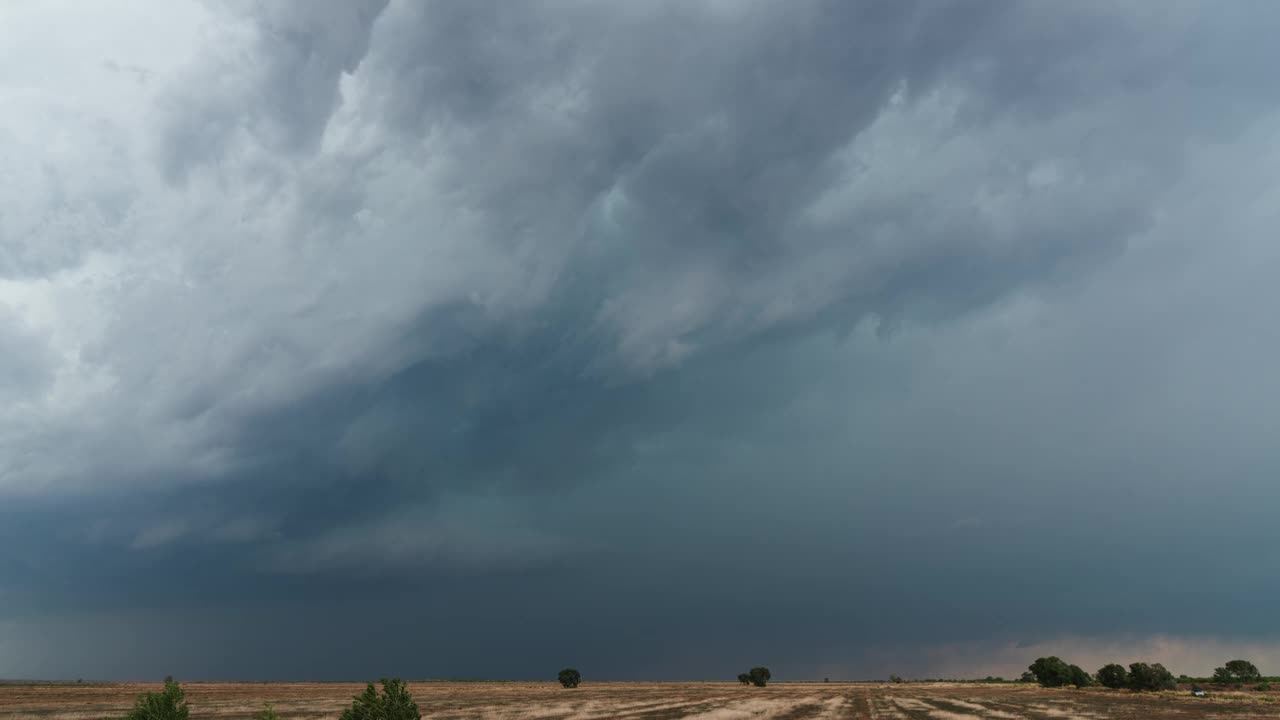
(395, 703)
(268, 712)
(168, 704)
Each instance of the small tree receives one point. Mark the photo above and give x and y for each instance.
(395, 703)
(1079, 677)
(760, 676)
(168, 704)
(895, 678)
(1151, 677)
(1113, 676)
(268, 712)
(1027, 677)
(1051, 671)
(570, 678)
(1237, 671)
(744, 678)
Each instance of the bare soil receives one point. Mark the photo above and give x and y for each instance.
(652, 701)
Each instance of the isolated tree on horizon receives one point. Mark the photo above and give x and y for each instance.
(744, 678)
(1113, 675)
(760, 676)
(570, 678)
(1237, 671)
(395, 703)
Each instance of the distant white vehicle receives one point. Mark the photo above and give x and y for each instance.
(1198, 692)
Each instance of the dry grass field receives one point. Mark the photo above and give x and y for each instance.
(652, 701)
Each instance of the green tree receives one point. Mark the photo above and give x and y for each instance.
(1079, 677)
(1027, 676)
(1113, 675)
(395, 703)
(168, 704)
(1237, 671)
(760, 676)
(1151, 677)
(1051, 671)
(744, 678)
(895, 678)
(570, 678)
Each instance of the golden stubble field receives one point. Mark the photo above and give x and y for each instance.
(651, 701)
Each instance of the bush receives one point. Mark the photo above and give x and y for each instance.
(1051, 671)
(1113, 676)
(168, 704)
(744, 678)
(570, 678)
(395, 703)
(895, 678)
(1150, 677)
(760, 676)
(1264, 687)
(1237, 671)
(1079, 677)
(268, 712)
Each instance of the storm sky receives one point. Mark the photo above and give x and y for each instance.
(477, 338)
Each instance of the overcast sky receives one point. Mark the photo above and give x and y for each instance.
(662, 339)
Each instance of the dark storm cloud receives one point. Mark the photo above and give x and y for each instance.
(895, 332)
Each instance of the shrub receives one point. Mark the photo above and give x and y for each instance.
(1237, 671)
(570, 678)
(168, 704)
(744, 678)
(1150, 677)
(895, 678)
(1113, 676)
(395, 703)
(760, 676)
(268, 712)
(1051, 671)
(1264, 687)
(1079, 677)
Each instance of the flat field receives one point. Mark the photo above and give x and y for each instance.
(651, 701)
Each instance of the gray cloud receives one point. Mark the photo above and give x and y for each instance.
(885, 321)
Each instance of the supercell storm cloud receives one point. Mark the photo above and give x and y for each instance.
(854, 336)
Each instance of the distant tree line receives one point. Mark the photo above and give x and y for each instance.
(1052, 671)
